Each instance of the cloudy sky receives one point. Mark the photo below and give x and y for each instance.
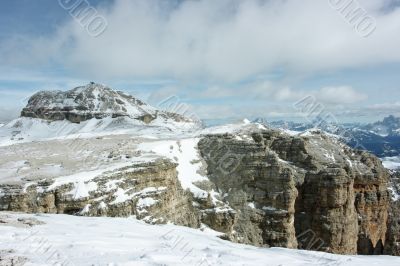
(227, 59)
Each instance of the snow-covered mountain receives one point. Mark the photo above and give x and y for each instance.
(389, 126)
(93, 101)
(381, 138)
(88, 110)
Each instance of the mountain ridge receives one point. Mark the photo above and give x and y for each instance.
(92, 101)
(382, 138)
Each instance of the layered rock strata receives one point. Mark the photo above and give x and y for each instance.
(310, 192)
(392, 244)
(151, 191)
(93, 101)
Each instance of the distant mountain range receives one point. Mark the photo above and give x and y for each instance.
(381, 138)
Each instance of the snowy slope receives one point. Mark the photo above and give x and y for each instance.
(90, 111)
(26, 129)
(234, 128)
(185, 153)
(77, 241)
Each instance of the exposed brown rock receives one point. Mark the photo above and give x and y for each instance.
(333, 198)
(392, 243)
(154, 182)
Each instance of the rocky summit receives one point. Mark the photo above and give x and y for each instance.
(95, 109)
(91, 101)
(252, 184)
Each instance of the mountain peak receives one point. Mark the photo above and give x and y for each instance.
(390, 125)
(391, 119)
(91, 101)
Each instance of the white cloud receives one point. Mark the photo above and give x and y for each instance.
(263, 99)
(225, 40)
(340, 95)
(268, 91)
(385, 107)
(370, 112)
(213, 42)
(8, 114)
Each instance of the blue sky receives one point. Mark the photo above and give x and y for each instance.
(227, 59)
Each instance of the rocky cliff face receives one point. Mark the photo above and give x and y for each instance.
(257, 185)
(151, 191)
(92, 101)
(372, 204)
(392, 245)
(309, 192)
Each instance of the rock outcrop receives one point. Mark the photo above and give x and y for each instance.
(372, 204)
(310, 192)
(392, 244)
(93, 101)
(151, 191)
(260, 188)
